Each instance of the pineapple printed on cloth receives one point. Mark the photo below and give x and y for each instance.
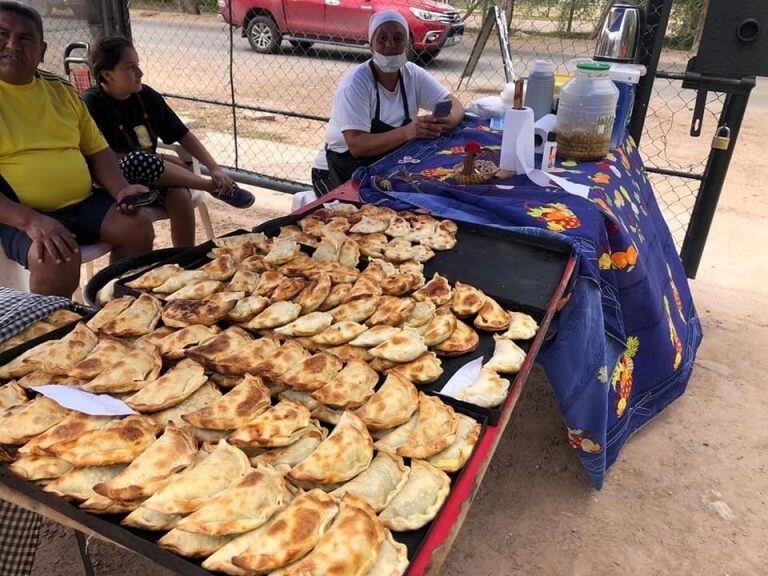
(623, 346)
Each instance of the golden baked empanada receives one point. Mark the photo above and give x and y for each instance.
(11, 394)
(243, 507)
(399, 250)
(238, 406)
(398, 227)
(192, 545)
(131, 372)
(179, 280)
(31, 332)
(246, 358)
(371, 245)
(153, 278)
(223, 467)
(314, 294)
(221, 345)
(379, 212)
(391, 310)
(521, 327)
(439, 240)
(453, 458)
(335, 296)
(422, 313)
(196, 290)
(152, 340)
(438, 291)
(420, 499)
(292, 454)
(34, 468)
(489, 390)
(97, 504)
(283, 250)
(109, 312)
(379, 483)
(392, 404)
(369, 225)
(280, 425)
(307, 325)
(347, 353)
(21, 423)
(435, 429)
(69, 350)
(317, 410)
(138, 319)
(40, 378)
(375, 336)
(118, 443)
(288, 536)
(350, 546)
(346, 452)
(243, 281)
(288, 289)
(257, 239)
(145, 518)
(349, 254)
(175, 345)
(151, 470)
(439, 329)
(277, 314)
(314, 372)
(221, 268)
(202, 397)
(173, 387)
(246, 308)
(467, 300)
(104, 354)
(350, 388)
(422, 227)
(208, 311)
(492, 317)
(392, 559)
(339, 333)
(390, 440)
(70, 428)
(77, 484)
(461, 341)
(280, 363)
(425, 369)
(355, 310)
(364, 286)
(507, 357)
(404, 346)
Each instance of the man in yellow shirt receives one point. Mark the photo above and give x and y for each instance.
(47, 142)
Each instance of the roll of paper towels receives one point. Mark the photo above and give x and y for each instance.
(541, 129)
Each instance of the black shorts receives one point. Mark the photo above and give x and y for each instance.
(83, 220)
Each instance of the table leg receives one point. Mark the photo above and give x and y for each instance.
(82, 546)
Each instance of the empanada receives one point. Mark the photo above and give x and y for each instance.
(375, 211)
(288, 289)
(439, 240)
(202, 397)
(175, 345)
(220, 346)
(422, 313)
(179, 280)
(131, 372)
(138, 319)
(322, 413)
(29, 333)
(349, 255)
(371, 245)
(70, 428)
(422, 253)
(461, 341)
(379, 483)
(350, 546)
(221, 268)
(40, 378)
(399, 250)
(375, 336)
(153, 339)
(521, 327)
(467, 300)
(335, 296)
(11, 394)
(453, 458)
(489, 390)
(355, 310)
(243, 281)
(196, 290)
(243, 507)
(398, 227)
(364, 286)
(104, 354)
(492, 317)
(287, 537)
(69, 350)
(419, 501)
(171, 388)
(246, 358)
(369, 225)
(346, 452)
(153, 278)
(350, 388)
(307, 325)
(246, 308)
(435, 430)
(192, 545)
(21, 423)
(97, 504)
(34, 468)
(391, 310)
(347, 353)
(401, 284)
(438, 291)
(283, 250)
(404, 346)
(109, 312)
(280, 425)
(392, 559)
(118, 443)
(425, 369)
(439, 329)
(237, 407)
(268, 281)
(257, 239)
(422, 227)
(339, 333)
(223, 467)
(77, 484)
(314, 372)
(277, 314)
(507, 357)
(392, 404)
(25, 363)
(208, 311)
(151, 470)
(314, 294)
(390, 440)
(145, 518)
(280, 363)
(294, 453)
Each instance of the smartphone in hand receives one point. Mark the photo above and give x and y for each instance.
(143, 199)
(442, 108)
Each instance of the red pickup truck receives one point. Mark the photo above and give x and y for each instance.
(266, 23)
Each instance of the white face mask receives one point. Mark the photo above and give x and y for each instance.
(390, 63)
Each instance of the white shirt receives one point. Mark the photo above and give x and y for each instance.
(354, 102)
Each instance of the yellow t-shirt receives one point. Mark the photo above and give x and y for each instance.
(45, 134)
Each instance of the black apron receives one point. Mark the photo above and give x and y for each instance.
(341, 165)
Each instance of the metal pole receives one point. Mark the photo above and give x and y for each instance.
(651, 42)
(712, 184)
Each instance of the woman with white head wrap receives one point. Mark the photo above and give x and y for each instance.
(376, 105)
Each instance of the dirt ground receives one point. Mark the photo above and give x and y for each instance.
(689, 493)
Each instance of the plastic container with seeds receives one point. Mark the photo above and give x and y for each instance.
(586, 113)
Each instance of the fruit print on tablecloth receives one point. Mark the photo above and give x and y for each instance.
(557, 216)
(621, 382)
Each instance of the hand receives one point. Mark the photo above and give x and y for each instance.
(130, 190)
(51, 239)
(424, 127)
(443, 123)
(222, 181)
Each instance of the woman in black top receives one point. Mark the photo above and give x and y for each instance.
(132, 117)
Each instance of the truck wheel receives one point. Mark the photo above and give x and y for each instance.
(301, 45)
(263, 35)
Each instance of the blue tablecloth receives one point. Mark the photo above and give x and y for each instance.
(623, 346)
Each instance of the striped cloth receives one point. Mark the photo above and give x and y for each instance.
(20, 309)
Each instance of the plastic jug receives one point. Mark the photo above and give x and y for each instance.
(541, 88)
(586, 113)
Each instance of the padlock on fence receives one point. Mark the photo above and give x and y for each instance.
(722, 139)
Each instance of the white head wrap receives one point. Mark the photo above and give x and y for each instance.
(382, 18)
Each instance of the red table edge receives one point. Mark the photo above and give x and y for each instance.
(465, 488)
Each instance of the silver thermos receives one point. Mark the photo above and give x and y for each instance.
(617, 41)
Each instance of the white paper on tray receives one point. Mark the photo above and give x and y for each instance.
(85, 402)
(463, 378)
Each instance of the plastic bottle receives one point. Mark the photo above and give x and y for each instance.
(586, 113)
(541, 88)
(626, 78)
